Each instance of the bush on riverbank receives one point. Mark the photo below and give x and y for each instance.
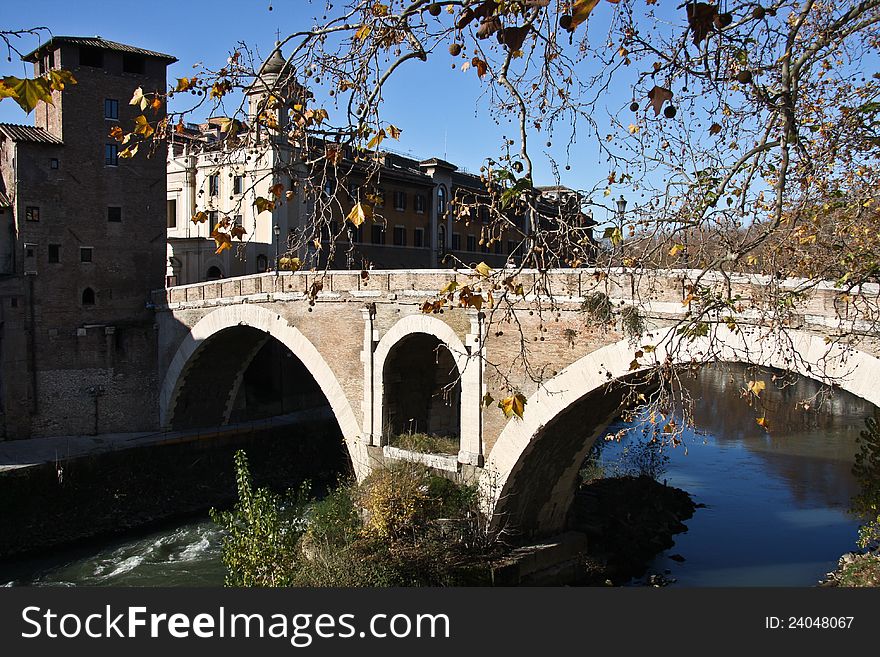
(403, 526)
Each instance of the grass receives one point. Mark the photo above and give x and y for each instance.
(425, 443)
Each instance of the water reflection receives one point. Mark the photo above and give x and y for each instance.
(776, 502)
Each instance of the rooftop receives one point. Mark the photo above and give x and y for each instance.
(94, 42)
(28, 133)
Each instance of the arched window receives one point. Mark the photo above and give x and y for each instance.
(88, 297)
(441, 238)
(262, 263)
(441, 201)
(214, 273)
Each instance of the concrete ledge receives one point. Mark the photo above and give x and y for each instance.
(445, 462)
(553, 561)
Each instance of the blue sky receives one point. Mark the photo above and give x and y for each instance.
(437, 107)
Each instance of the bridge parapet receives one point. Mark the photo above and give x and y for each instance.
(659, 294)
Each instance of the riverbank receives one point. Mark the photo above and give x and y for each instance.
(855, 570)
(628, 520)
(110, 489)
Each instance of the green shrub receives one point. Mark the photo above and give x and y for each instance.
(260, 547)
(403, 526)
(866, 504)
(598, 306)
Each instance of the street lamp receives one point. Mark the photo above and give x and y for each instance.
(621, 206)
(277, 230)
(349, 255)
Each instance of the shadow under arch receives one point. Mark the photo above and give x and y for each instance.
(528, 489)
(434, 331)
(235, 334)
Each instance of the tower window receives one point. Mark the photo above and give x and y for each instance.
(54, 253)
(111, 109)
(93, 57)
(132, 63)
(111, 155)
(236, 185)
(53, 163)
(85, 254)
(214, 185)
(32, 213)
(418, 237)
(114, 213)
(88, 297)
(399, 236)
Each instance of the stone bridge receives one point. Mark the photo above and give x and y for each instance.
(363, 345)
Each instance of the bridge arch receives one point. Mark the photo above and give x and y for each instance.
(518, 503)
(408, 328)
(259, 325)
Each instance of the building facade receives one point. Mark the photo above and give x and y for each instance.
(81, 247)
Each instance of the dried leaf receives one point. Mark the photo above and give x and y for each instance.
(659, 95)
(757, 387)
(513, 405)
(701, 17)
(263, 204)
(580, 11)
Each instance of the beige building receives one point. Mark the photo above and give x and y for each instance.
(417, 221)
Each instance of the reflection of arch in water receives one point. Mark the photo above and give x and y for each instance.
(206, 374)
(531, 474)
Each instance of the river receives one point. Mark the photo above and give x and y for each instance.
(775, 509)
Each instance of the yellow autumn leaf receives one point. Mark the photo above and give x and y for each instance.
(483, 269)
(513, 405)
(59, 78)
(756, 387)
(127, 153)
(199, 217)
(142, 126)
(580, 11)
(363, 32)
(449, 287)
(27, 93)
(762, 422)
(360, 213)
(676, 249)
(377, 139)
(394, 132)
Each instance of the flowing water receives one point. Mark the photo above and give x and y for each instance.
(186, 553)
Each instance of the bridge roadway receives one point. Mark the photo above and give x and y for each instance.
(381, 362)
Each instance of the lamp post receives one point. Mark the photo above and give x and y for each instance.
(621, 209)
(277, 230)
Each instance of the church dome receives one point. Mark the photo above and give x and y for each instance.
(275, 64)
